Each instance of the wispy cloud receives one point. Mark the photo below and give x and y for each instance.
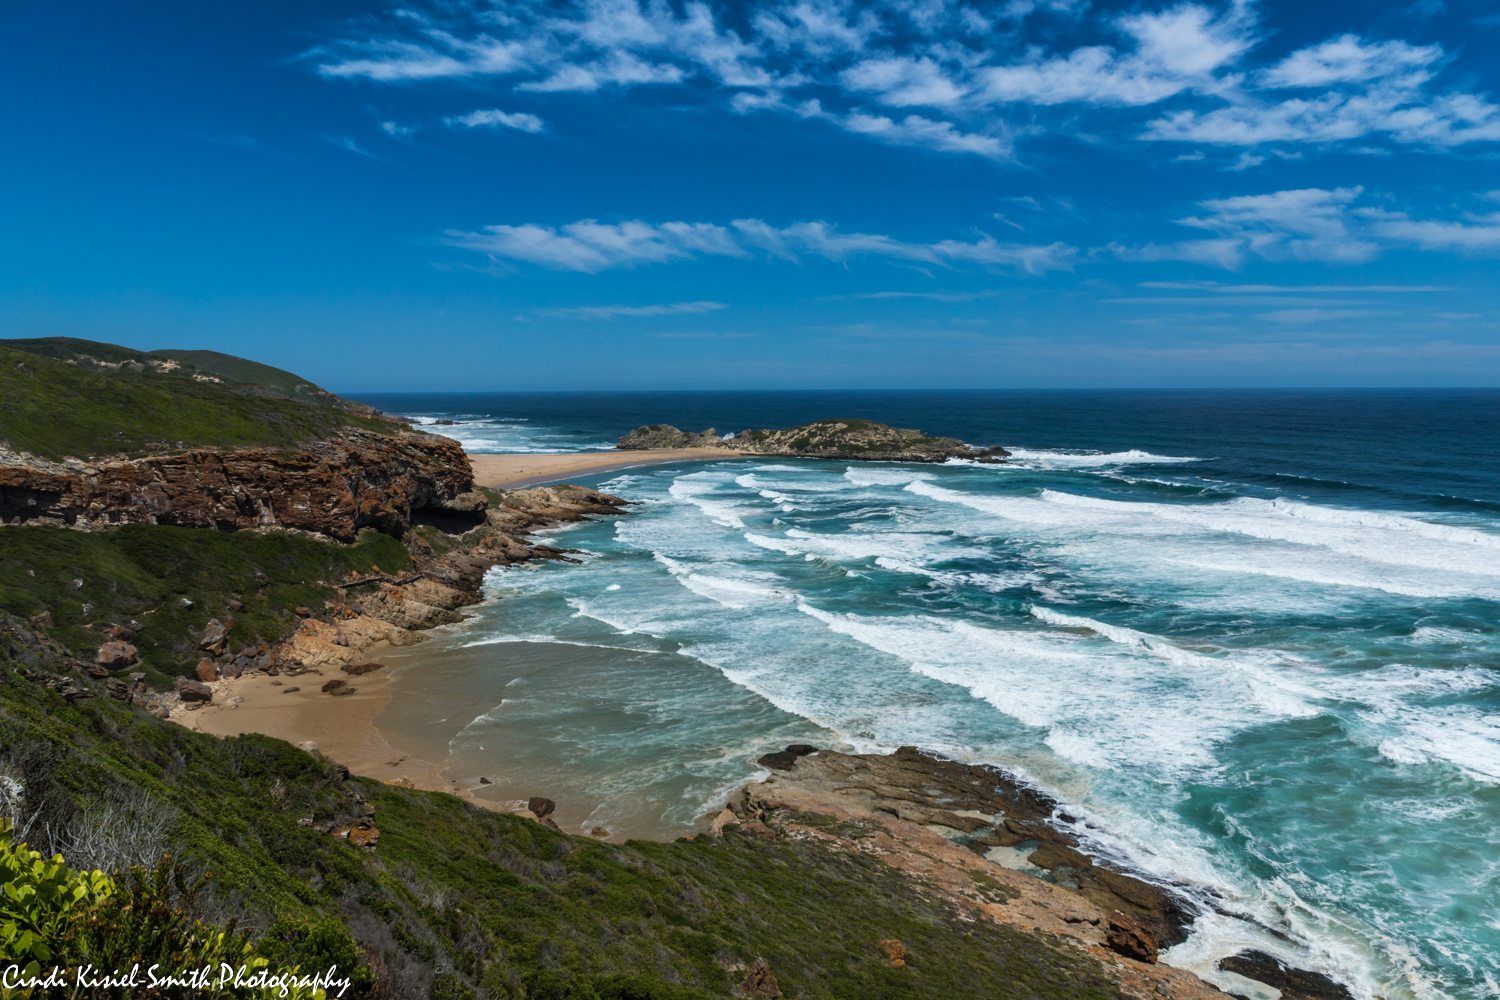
(521, 121)
(623, 311)
(1231, 289)
(942, 76)
(592, 246)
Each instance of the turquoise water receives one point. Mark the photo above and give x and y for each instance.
(1250, 640)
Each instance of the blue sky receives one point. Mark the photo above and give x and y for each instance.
(787, 193)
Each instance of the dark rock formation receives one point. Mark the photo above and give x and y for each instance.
(191, 690)
(782, 760)
(353, 480)
(1294, 984)
(541, 807)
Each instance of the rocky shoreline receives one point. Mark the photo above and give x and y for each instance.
(987, 842)
(395, 610)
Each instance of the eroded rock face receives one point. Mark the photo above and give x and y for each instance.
(355, 480)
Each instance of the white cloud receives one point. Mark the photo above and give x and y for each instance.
(1301, 224)
(616, 69)
(914, 130)
(1474, 234)
(622, 311)
(591, 246)
(1349, 59)
(902, 81)
(1366, 89)
(492, 117)
(1175, 50)
(1311, 224)
(1315, 315)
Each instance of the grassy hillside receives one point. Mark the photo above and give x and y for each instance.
(247, 375)
(171, 581)
(469, 903)
(56, 408)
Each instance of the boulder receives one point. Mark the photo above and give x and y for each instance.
(215, 637)
(540, 807)
(1294, 984)
(193, 691)
(724, 818)
(783, 760)
(206, 671)
(355, 669)
(329, 687)
(1129, 938)
(116, 654)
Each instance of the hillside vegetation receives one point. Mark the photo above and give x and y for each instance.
(68, 398)
(467, 903)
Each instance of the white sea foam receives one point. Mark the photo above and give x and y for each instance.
(1333, 547)
(1092, 459)
(883, 476)
(728, 591)
(1099, 707)
(700, 493)
(486, 435)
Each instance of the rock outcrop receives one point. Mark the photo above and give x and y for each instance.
(940, 822)
(980, 808)
(843, 440)
(353, 480)
(666, 436)
(395, 610)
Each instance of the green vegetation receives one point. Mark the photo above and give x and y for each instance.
(54, 916)
(171, 581)
(56, 409)
(461, 902)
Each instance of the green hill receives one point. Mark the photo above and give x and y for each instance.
(76, 398)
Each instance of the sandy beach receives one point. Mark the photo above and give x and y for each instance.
(505, 472)
(293, 707)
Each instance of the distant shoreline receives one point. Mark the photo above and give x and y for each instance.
(508, 472)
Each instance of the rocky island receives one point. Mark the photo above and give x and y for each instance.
(843, 440)
(176, 521)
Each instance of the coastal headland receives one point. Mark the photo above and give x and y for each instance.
(171, 552)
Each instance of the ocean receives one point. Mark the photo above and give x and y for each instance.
(1251, 640)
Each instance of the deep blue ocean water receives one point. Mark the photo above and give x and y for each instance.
(1251, 639)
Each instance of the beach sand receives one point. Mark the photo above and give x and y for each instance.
(506, 472)
(293, 707)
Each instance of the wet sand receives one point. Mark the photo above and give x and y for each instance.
(513, 471)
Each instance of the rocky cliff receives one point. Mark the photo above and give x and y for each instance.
(843, 440)
(355, 479)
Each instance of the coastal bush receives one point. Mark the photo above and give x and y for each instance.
(165, 583)
(54, 409)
